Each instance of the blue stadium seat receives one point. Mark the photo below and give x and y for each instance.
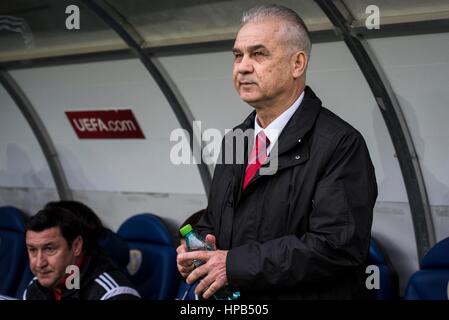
(431, 282)
(389, 281)
(13, 256)
(24, 282)
(152, 267)
(114, 247)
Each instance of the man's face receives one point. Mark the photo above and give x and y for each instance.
(263, 65)
(50, 254)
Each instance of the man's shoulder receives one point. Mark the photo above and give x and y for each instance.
(111, 285)
(33, 291)
(33, 282)
(330, 126)
(103, 280)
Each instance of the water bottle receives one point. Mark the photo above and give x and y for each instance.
(195, 243)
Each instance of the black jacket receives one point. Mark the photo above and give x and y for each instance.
(302, 233)
(99, 280)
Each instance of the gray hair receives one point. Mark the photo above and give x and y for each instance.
(296, 30)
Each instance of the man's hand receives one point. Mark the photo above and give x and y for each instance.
(185, 266)
(212, 273)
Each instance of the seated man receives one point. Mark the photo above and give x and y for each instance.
(55, 244)
(95, 235)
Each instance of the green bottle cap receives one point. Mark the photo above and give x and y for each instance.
(185, 230)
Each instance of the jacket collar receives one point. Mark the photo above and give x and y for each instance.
(299, 124)
(297, 128)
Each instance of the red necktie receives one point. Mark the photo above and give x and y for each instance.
(257, 157)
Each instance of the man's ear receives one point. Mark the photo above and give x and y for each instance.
(299, 60)
(77, 246)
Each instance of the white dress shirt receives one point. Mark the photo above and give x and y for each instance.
(274, 129)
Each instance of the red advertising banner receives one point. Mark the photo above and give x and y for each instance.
(105, 124)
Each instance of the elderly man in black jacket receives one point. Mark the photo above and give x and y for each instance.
(302, 230)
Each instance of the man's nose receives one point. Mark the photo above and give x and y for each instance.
(245, 65)
(41, 260)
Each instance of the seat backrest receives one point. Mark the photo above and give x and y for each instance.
(114, 247)
(152, 267)
(13, 255)
(388, 277)
(27, 276)
(431, 282)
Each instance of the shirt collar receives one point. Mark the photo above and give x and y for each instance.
(274, 129)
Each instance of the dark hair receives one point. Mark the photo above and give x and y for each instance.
(90, 223)
(47, 218)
